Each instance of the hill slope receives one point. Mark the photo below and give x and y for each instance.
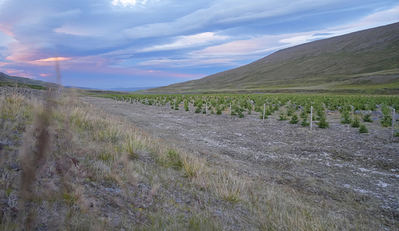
(367, 60)
(7, 80)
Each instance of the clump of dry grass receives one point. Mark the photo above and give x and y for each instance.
(228, 186)
(193, 167)
(130, 147)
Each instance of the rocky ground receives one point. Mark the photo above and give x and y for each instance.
(337, 166)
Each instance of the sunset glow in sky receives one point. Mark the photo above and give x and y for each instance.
(144, 43)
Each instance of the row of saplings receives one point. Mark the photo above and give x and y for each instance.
(319, 115)
(238, 107)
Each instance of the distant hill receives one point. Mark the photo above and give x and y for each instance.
(7, 80)
(365, 61)
(129, 89)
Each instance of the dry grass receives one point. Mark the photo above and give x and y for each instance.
(228, 186)
(102, 173)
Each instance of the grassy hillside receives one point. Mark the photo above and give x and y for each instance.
(365, 62)
(12, 81)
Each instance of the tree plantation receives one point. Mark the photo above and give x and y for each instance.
(305, 110)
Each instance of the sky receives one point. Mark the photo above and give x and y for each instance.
(109, 44)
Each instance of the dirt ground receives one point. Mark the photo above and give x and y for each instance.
(335, 165)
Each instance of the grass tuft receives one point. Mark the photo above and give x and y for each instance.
(228, 186)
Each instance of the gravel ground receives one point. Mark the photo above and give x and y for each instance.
(337, 165)
(27, 92)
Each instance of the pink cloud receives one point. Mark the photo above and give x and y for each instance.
(19, 73)
(97, 64)
(53, 59)
(2, 64)
(132, 71)
(44, 75)
(27, 55)
(6, 29)
(21, 53)
(49, 61)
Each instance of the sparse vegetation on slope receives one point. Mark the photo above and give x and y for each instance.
(361, 62)
(13, 81)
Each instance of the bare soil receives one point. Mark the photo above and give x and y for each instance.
(338, 166)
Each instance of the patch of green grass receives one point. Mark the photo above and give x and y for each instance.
(106, 157)
(173, 160)
(22, 85)
(363, 129)
(69, 198)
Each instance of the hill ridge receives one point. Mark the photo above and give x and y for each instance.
(331, 64)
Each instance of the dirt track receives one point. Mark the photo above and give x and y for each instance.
(337, 165)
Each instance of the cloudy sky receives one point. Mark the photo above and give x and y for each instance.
(145, 43)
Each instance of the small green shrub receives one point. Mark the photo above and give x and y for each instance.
(320, 113)
(282, 117)
(218, 110)
(386, 121)
(186, 108)
(198, 109)
(304, 114)
(363, 129)
(355, 122)
(346, 118)
(174, 159)
(294, 119)
(323, 122)
(290, 111)
(367, 118)
(305, 122)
